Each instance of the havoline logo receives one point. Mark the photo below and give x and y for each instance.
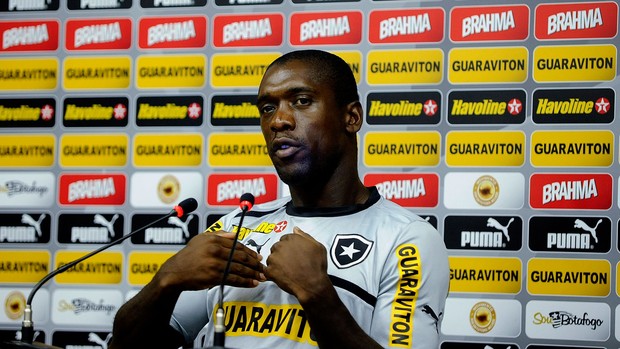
(570, 234)
(27, 112)
(173, 231)
(172, 3)
(584, 106)
(483, 232)
(90, 228)
(97, 4)
(403, 108)
(169, 111)
(32, 5)
(486, 107)
(25, 228)
(81, 340)
(95, 112)
(234, 110)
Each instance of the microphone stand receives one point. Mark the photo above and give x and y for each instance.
(219, 327)
(184, 207)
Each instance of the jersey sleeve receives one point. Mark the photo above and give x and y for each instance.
(413, 290)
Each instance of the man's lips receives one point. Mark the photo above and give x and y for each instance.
(284, 147)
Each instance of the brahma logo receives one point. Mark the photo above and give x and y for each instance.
(583, 20)
(92, 189)
(173, 32)
(98, 34)
(259, 30)
(406, 189)
(29, 35)
(489, 23)
(406, 25)
(571, 191)
(226, 189)
(326, 28)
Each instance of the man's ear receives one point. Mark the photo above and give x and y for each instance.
(354, 117)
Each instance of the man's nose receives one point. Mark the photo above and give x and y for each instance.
(284, 118)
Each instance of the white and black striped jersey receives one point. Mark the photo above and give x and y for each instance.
(389, 267)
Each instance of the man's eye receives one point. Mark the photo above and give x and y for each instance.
(303, 101)
(266, 109)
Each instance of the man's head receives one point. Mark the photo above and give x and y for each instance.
(330, 69)
(310, 114)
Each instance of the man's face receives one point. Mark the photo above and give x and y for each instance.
(302, 123)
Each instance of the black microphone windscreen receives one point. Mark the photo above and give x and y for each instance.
(187, 206)
(247, 197)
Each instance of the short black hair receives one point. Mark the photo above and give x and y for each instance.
(328, 68)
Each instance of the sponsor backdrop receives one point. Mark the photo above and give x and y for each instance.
(494, 121)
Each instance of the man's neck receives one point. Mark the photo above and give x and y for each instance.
(337, 195)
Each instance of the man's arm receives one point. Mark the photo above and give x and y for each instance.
(144, 320)
(306, 278)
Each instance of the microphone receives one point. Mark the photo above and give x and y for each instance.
(183, 208)
(246, 201)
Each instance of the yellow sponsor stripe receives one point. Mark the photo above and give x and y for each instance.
(24, 266)
(488, 65)
(485, 275)
(238, 149)
(569, 277)
(485, 148)
(167, 149)
(143, 266)
(572, 148)
(171, 71)
(575, 63)
(402, 148)
(240, 70)
(102, 268)
(87, 73)
(26, 150)
(27, 73)
(417, 66)
(93, 150)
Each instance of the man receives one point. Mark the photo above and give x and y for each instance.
(340, 266)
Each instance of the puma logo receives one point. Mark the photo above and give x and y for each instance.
(26, 219)
(179, 223)
(99, 219)
(582, 225)
(492, 222)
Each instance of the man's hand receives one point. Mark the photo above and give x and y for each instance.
(298, 265)
(201, 264)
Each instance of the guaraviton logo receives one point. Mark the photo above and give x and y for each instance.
(260, 30)
(239, 70)
(402, 148)
(406, 189)
(103, 268)
(577, 20)
(326, 28)
(590, 191)
(27, 150)
(488, 65)
(98, 34)
(168, 149)
(238, 149)
(93, 150)
(172, 32)
(87, 73)
(29, 36)
(143, 266)
(489, 23)
(485, 148)
(23, 266)
(225, 189)
(415, 66)
(574, 148)
(406, 25)
(485, 275)
(167, 71)
(37, 73)
(575, 63)
(569, 277)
